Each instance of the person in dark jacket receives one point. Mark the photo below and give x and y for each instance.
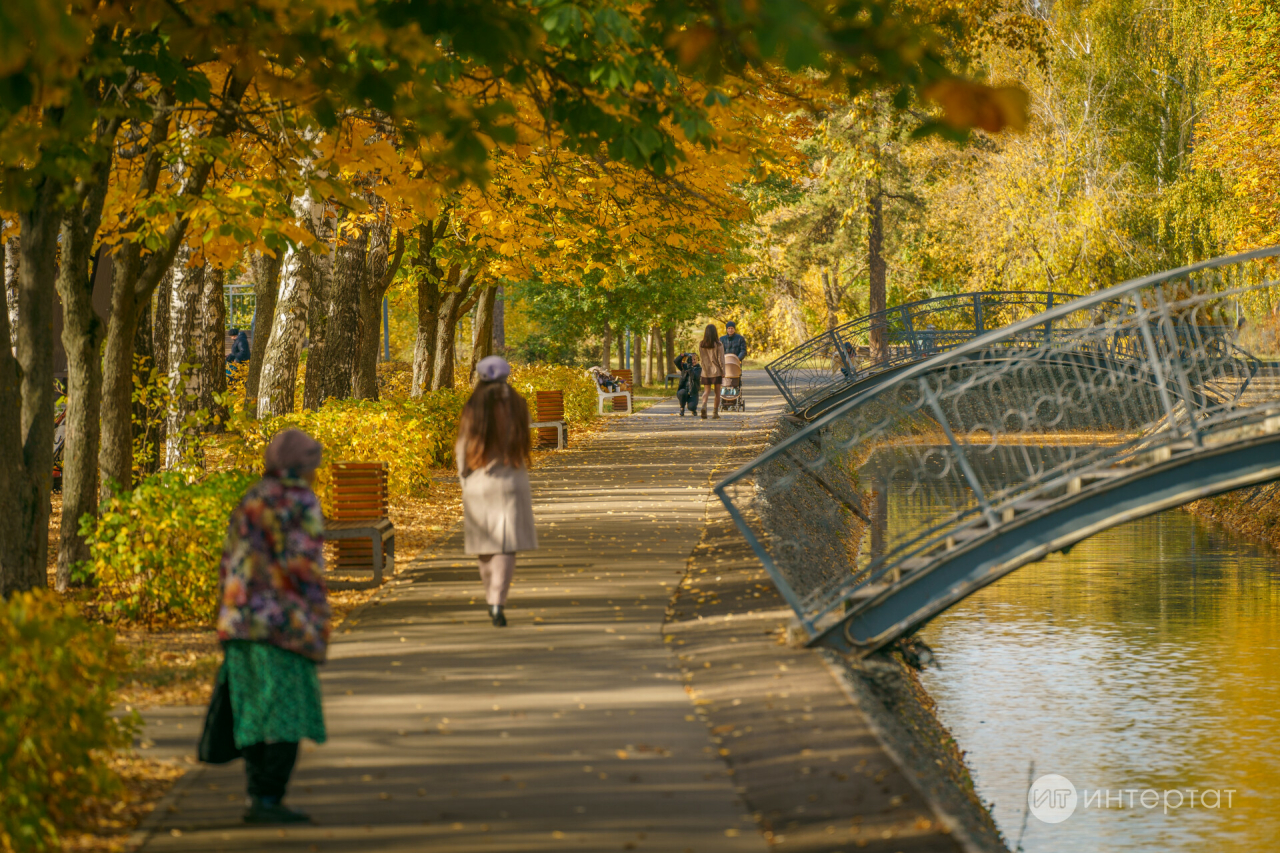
(239, 347)
(690, 382)
(734, 343)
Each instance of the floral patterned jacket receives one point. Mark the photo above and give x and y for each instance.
(272, 587)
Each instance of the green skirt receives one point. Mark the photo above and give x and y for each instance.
(275, 694)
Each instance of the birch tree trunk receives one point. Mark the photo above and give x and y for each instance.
(12, 250)
(212, 330)
(606, 357)
(336, 321)
(183, 357)
(276, 389)
(266, 287)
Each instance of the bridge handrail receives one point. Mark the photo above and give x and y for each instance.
(907, 322)
(1157, 363)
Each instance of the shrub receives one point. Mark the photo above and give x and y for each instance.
(154, 552)
(579, 389)
(57, 679)
(412, 436)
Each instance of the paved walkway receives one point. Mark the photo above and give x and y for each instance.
(581, 726)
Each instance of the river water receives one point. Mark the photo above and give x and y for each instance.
(1146, 659)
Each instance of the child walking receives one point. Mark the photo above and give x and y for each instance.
(711, 356)
(493, 464)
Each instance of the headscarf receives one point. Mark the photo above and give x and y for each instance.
(294, 452)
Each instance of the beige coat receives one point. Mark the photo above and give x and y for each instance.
(712, 360)
(497, 509)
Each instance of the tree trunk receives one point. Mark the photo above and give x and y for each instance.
(876, 272)
(336, 323)
(637, 357)
(670, 336)
(453, 305)
(9, 270)
(266, 287)
(151, 355)
(622, 349)
(500, 322)
(184, 356)
(115, 459)
(213, 357)
(136, 278)
(655, 353)
(429, 298)
(379, 274)
(278, 383)
(831, 297)
(606, 357)
(82, 335)
(26, 403)
(482, 331)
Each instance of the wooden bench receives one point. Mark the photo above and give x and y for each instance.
(365, 536)
(549, 416)
(615, 397)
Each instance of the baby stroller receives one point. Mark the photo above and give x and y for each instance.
(731, 392)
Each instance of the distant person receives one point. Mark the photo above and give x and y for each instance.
(239, 347)
(273, 622)
(493, 463)
(711, 358)
(733, 342)
(690, 383)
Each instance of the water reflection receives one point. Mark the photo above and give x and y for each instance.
(1149, 657)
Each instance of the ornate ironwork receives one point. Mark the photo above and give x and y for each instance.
(1021, 441)
(854, 351)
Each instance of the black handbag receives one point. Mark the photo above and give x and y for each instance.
(218, 741)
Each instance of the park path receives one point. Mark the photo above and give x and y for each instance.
(580, 726)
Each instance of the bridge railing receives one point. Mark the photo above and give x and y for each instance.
(959, 444)
(900, 335)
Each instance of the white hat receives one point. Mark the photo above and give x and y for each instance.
(493, 368)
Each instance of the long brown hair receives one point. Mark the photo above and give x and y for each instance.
(709, 337)
(495, 426)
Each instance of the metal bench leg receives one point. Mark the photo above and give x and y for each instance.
(391, 552)
(376, 546)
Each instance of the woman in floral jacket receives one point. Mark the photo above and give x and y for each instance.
(274, 621)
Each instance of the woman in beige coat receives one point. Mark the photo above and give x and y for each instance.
(493, 464)
(711, 356)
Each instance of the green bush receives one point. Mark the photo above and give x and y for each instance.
(57, 679)
(154, 552)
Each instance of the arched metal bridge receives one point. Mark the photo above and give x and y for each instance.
(960, 468)
(841, 362)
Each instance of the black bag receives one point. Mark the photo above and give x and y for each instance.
(218, 741)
